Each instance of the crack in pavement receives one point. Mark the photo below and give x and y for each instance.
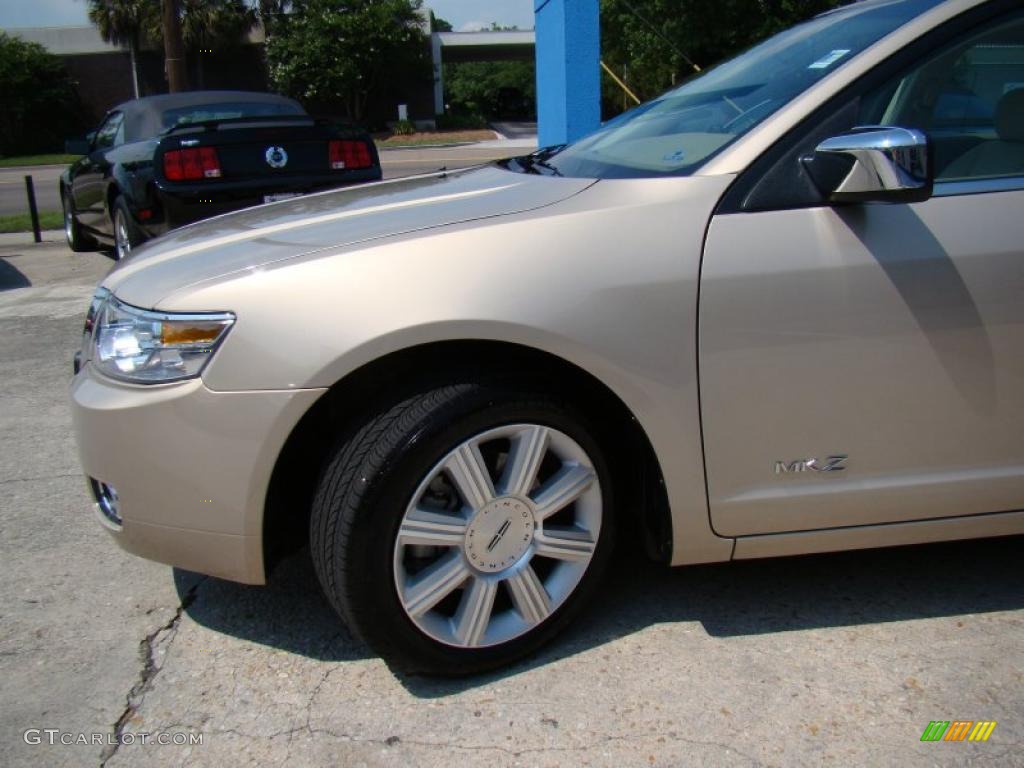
(149, 671)
(309, 712)
(36, 479)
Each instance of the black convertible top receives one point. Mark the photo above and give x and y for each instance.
(143, 117)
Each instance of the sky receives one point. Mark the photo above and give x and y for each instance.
(464, 15)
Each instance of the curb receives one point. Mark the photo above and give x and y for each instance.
(50, 236)
(484, 144)
(426, 146)
(28, 168)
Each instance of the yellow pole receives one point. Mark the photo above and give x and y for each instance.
(618, 82)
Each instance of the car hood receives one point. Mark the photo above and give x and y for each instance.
(256, 237)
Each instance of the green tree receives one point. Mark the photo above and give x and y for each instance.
(206, 25)
(273, 13)
(658, 43)
(491, 89)
(41, 106)
(437, 24)
(214, 25)
(346, 51)
(129, 23)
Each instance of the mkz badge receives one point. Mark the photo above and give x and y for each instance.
(276, 157)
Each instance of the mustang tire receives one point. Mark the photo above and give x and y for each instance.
(78, 241)
(127, 234)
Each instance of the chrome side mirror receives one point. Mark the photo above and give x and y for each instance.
(875, 163)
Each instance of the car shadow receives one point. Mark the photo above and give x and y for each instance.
(753, 597)
(289, 613)
(936, 294)
(11, 277)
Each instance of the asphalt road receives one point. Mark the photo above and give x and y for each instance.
(394, 163)
(828, 660)
(45, 179)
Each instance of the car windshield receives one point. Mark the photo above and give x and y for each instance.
(198, 113)
(679, 131)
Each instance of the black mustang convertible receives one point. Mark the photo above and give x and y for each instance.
(159, 162)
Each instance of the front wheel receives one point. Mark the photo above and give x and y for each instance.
(126, 233)
(463, 527)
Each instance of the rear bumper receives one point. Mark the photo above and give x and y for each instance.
(190, 467)
(183, 204)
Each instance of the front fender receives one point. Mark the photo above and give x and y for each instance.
(606, 280)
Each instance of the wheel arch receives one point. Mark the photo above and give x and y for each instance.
(64, 182)
(66, 198)
(113, 192)
(640, 487)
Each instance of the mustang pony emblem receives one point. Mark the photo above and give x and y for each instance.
(276, 157)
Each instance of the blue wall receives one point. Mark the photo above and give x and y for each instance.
(568, 69)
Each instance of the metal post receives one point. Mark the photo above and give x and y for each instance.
(568, 69)
(435, 49)
(30, 190)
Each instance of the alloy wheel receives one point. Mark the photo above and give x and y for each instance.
(497, 535)
(69, 223)
(122, 243)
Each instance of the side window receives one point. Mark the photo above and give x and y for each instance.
(969, 98)
(109, 132)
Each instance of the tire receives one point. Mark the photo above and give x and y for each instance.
(78, 241)
(405, 481)
(127, 234)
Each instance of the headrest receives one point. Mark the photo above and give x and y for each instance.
(1010, 116)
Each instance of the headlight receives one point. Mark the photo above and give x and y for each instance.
(146, 347)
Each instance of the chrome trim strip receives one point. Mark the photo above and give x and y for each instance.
(978, 186)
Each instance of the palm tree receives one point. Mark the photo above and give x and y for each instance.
(272, 13)
(126, 22)
(208, 25)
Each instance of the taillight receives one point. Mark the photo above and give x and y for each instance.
(191, 164)
(347, 154)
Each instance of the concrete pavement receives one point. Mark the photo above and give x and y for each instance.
(835, 660)
(516, 130)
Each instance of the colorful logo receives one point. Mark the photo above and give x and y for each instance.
(958, 730)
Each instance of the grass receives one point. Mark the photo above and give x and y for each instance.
(23, 223)
(28, 160)
(434, 137)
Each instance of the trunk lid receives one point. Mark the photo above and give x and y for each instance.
(263, 148)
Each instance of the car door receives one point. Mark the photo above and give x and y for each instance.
(89, 183)
(864, 364)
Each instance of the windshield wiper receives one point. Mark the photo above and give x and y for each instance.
(535, 162)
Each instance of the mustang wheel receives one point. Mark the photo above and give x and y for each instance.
(461, 528)
(78, 241)
(126, 233)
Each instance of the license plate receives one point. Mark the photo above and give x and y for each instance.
(280, 196)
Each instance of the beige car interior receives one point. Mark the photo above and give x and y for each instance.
(1000, 156)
